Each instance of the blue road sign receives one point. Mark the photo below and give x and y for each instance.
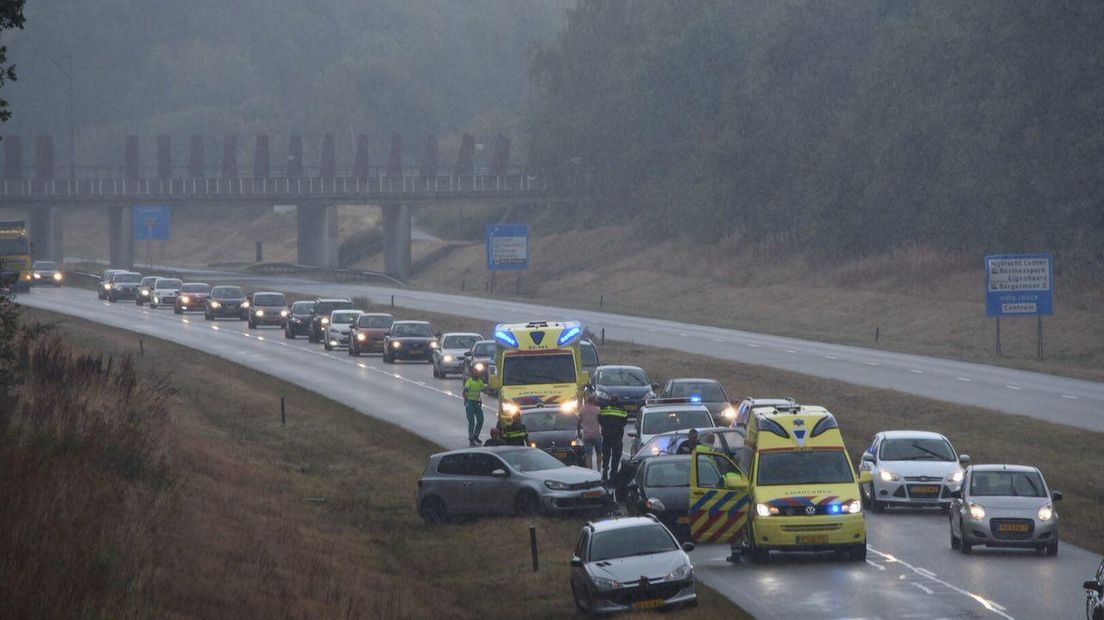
(1019, 285)
(507, 247)
(151, 223)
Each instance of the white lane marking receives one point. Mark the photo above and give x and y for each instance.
(1070, 397)
(923, 587)
(988, 604)
(830, 357)
(1013, 387)
(754, 346)
(215, 327)
(964, 379)
(684, 334)
(872, 363)
(718, 340)
(875, 565)
(913, 370)
(652, 330)
(789, 351)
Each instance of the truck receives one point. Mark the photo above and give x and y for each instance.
(15, 256)
(537, 364)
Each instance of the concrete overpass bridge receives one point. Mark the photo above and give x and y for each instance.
(45, 192)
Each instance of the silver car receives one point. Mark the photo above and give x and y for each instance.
(164, 292)
(631, 563)
(448, 358)
(337, 328)
(505, 480)
(911, 468)
(1004, 506)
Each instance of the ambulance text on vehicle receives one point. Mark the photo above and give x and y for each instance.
(538, 364)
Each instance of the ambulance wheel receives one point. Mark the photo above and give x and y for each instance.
(758, 554)
(857, 553)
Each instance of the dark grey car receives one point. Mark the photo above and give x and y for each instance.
(124, 285)
(662, 487)
(505, 480)
(267, 308)
(554, 431)
(707, 392)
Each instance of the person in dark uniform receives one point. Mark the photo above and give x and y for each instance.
(515, 433)
(612, 419)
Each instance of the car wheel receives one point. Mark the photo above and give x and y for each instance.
(436, 373)
(857, 553)
(177, 310)
(876, 506)
(579, 607)
(965, 546)
(387, 359)
(326, 346)
(208, 317)
(1052, 549)
(252, 325)
(527, 504)
(153, 306)
(433, 511)
(955, 542)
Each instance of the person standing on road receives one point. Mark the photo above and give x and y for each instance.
(473, 407)
(515, 434)
(612, 418)
(590, 432)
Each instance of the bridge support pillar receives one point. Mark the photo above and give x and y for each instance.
(120, 237)
(45, 229)
(396, 241)
(317, 235)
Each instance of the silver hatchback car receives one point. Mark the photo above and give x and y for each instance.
(1004, 506)
(505, 480)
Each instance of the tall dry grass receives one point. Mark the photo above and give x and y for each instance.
(85, 484)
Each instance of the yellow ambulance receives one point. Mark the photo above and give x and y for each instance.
(537, 364)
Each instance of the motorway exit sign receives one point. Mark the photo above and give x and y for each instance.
(1019, 285)
(151, 223)
(507, 247)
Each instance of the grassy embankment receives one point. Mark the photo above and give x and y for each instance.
(311, 519)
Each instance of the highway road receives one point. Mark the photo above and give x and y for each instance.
(911, 570)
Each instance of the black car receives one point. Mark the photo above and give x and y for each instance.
(105, 282)
(145, 290)
(625, 386)
(661, 487)
(726, 440)
(707, 392)
(409, 340)
(479, 358)
(320, 318)
(124, 285)
(555, 432)
(299, 318)
(45, 272)
(226, 302)
(267, 309)
(1094, 602)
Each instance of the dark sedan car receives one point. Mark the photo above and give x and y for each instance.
(661, 487)
(627, 386)
(320, 319)
(368, 332)
(722, 439)
(193, 296)
(105, 282)
(409, 340)
(1094, 595)
(145, 290)
(267, 309)
(555, 432)
(479, 358)
(45, 272)
(124, 285)
(226, 302)
(299, 318)
(707, 392)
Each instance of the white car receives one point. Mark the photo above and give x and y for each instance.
(337, 329)
(448, 358)
(655, 419)
(164, 292)
(911, 468)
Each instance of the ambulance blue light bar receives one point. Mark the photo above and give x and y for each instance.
(570, 333)
(505, 338)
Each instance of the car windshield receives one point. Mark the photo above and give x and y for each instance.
(668, 474)
(531, 460)
(1006, 483)
(538, 369)
(412, 330)
(459, 342)
(343, 318)
(167, 283)
(375, 322)
(917, 449)
(195, 288)
(148, 282)
(127, 278)
(707, 392)
(326, 307)
(269, 299)
(622, 377)
(629, 541)
(44, 265)
(485, 349)
(666, 421)
(302, 307)
(804, 467)
(590, 354)
(538, 421)
(227, 292)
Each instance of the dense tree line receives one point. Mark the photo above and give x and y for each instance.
(847, 127)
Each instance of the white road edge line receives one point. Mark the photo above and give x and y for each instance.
(1013, 387)
(1070, 397)
(964, 379)
(990, 605)
(915, 371)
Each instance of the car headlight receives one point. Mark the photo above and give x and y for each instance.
(602, 395)
(283, 313)
(145, 293)
(325, 321)
(260, 313)
(510, 408)
(215, 304)
(680, 573)
(361, 336)
(1046, 513)
(57, 276)
(569, 406)
(448, 358)
(655, 504)
(479, 366)
(107, 286)
(396, 345)
(532, 444)
(852, 507)
(245, 304)
(977, 512)
(888, 476)
(555, 485)
(37, 276)
(575, 442)
(433, 344)
(955, 476)
(764, 510)
(184, 299)
(604, 584)
(729, 412)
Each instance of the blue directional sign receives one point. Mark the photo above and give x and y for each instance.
(151, 223)
(507, 247)
(1019, 285)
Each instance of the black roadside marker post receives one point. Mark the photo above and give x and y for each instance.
(603, 336)
(392, 301)
(601, 301)
(533, 546)
(283, 414)
(141, 348)
(877, 332)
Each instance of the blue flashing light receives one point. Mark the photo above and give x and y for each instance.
(834, 509)
(696, 398)
(506, 338)
(569, 334)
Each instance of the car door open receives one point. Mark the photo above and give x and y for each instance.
(718, 499)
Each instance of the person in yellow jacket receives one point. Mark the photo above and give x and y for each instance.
(473, 408)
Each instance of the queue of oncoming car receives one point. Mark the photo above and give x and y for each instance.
(757, 474)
